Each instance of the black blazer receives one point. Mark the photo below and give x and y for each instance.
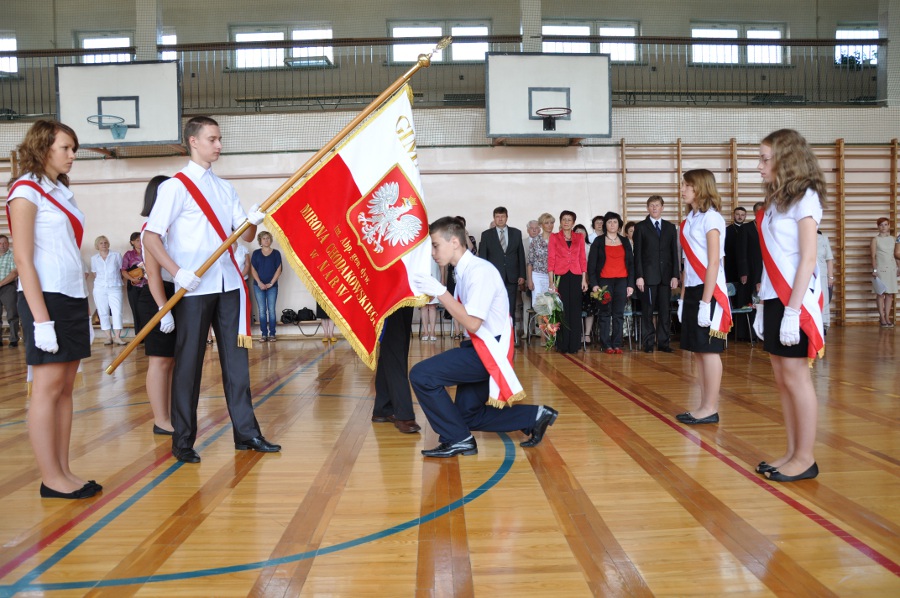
(510, 264)
(736, 264)
(597, 259)
(656, 258)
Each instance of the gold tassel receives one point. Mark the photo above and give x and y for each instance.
(27, 389)
(245, 341)
(494, 402)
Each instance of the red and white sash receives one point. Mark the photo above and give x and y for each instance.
(244, 339)
(721, 317)
(497, 357)
(76, 222)
(781, 273)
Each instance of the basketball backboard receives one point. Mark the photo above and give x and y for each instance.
(518, 85)
(120, 104)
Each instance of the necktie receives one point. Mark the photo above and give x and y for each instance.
(503, 239)
(658, 230)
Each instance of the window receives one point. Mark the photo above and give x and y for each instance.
(618, 51)
(8, 64)
(103, 40)
(459, 51)
(856, 55)
(733, 53)
(168, 40)
(311, 56)
(258, 58)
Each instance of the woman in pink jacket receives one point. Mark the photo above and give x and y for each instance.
(567, 260)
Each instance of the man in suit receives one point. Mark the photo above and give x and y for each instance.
(737, 270)
(754, 253)
(502, 246)
(656, 267)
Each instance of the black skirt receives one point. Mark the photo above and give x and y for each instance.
(693, 337)
(71, 322)
(157, 343)
(773, 312)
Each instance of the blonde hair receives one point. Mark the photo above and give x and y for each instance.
(98, 239)
(795, 170)
(263, 234)
(705, 193)
(545, 217)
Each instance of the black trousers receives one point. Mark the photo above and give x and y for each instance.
(568, 338)
(194, 316)
(512, 290)
(392, 393)
(656, 298)
(743, 296)
(133, 294)
(612, 315)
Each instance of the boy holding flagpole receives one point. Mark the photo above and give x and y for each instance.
(198, 211)
(481, 367)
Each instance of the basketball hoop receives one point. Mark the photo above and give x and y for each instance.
(116, 124)
(549, 116)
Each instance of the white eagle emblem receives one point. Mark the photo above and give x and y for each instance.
(389, 223)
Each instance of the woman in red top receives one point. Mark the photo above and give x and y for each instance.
(566, 259)
(611, 264)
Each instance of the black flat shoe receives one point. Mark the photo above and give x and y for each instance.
(764, 467)
(687, 418)
(86, 491)
(447, 449)
(667, 349)
(258, 444)
(777, 476)
(161, 431)
(95, 485)
(186, 455)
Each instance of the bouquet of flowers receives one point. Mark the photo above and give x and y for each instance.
(602, 295)
(548, 306)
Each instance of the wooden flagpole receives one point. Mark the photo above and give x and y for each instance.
(424, 61)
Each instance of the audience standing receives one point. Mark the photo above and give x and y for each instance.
(133, 272)
(611, 265)
(502, 246)
(656, 273)
(885, 269)
(106, 268)
(52, 299)
(590, 307)
(825, 264)
(566, 259)
(8, 277)
(266, 268)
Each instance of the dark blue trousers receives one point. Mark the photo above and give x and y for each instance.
(453, 422)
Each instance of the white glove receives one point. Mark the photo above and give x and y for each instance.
(428, 284)
(255, 216)
(167, 324)
(187, 279)
(703, 319)
(790, 327)
(758, 321)
(680, 309)
(45, 337)
(90, 331)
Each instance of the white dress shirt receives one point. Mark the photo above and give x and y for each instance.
(57, 257)
(697, 225)
(785, 235)
(191, 237)
(107, 271)
(482, 292)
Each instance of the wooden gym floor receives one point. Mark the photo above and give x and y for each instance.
(619, 500)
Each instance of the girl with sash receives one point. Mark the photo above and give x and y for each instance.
(48, 228)
(704, 309)
(789, 317)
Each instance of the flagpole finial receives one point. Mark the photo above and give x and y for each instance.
(425, 59)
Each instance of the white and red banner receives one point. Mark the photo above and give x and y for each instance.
(355, 229)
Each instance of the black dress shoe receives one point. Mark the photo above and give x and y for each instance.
(687, 418)
(540, 427)
(382, 419)
(447, 449)
(14, 344)
(763, 467)
(161, 431)
(667, 349)
(85, 491)
(777, 476)
(258, 444)
(186, 455)
(648, 349)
